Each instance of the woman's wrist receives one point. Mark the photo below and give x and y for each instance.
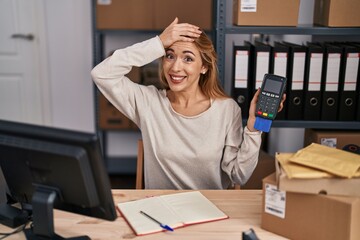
(251, 123)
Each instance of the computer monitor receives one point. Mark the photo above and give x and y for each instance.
(48, 168)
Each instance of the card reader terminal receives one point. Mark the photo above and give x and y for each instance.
(271, 92)
(272, 89)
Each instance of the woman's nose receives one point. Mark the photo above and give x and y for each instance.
(177, 65)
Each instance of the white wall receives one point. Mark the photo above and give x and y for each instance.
(69, 38)
(68, 29)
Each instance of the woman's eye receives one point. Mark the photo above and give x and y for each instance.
(169, 56)
(188, 59)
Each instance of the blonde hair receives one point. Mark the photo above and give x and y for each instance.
(209, 82)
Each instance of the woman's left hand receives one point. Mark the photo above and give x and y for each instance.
(251, 119)
(281, 106)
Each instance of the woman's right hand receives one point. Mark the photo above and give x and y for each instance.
(179, 32)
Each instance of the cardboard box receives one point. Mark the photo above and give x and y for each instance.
(110, 117)
(265, 166)
(135, 74)
(266, 13)
(337, 13)
(345, 140)
(152, 14)
(150, 76)
(309, 216)
(125, 14)
(329, 186)
(198, 12)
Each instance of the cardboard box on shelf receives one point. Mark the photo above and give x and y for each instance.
(110, 117)
(186, 10)
(135, 74)
(266, 13)
(125, 14)
(113, 120)
(309, 216)
(152, 14)
(150, 76)
(329, 186)
(337, 13)
(340, 139)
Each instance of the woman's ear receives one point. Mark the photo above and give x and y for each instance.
(203, 70)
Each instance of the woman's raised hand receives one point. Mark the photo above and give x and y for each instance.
(179, 32)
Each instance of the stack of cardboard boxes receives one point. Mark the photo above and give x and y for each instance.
(324, 208)
(309, 216)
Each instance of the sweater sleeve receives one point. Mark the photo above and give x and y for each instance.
(109, 76)
(239, 161)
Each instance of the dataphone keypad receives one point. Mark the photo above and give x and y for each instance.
(267, 104)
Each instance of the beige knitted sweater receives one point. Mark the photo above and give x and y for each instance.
(208, 151)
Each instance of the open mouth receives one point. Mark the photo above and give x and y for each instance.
(177, 79)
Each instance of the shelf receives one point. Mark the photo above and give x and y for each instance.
(127, 31)
(299, 30)
(340, 125)
(317, 124)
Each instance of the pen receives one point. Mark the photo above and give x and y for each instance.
(166, 227)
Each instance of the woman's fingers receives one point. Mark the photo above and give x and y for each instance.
(179, 32)
(281, 106)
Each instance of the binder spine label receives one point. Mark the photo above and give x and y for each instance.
(262, 67)
(241, 69)
(316, 61)
(332, 73)
(351, 72)
(280, 62)
(298, 71)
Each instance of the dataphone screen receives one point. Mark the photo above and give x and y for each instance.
(272, 86)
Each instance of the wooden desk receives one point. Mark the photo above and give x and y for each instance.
(242, 206)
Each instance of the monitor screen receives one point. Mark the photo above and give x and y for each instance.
(43, 165)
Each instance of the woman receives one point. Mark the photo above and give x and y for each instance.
(192, 132)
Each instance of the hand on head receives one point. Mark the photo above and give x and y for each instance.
(179, 32)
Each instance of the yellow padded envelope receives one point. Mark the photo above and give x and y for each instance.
(338, 162)
(294, 170)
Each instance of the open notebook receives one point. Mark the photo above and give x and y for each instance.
(175, 210)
